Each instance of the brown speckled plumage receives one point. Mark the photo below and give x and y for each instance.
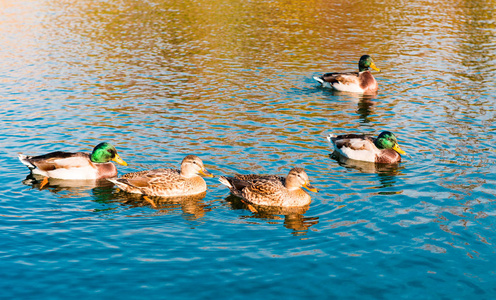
(167, 182)
(271, 190)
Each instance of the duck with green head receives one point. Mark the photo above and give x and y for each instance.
(356, 82)
(78, 165)
(383, 149)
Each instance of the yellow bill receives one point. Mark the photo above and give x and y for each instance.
(119, 160)
(310, 187)
(372, 65)
(206, 173)
(398, 149)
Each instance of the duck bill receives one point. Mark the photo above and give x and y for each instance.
(119, 160)
(310, 188)
(398, 149)
(206, 173)
(373, 66)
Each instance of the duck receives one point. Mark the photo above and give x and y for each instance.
(75, 165)
(357, 82)
(271, 190)
(167, 182)
(383, 149)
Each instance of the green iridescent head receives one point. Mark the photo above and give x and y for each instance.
(365, 63)
(105, 152)
(387, 140)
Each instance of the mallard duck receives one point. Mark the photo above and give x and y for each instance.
(357, 82)
(79, 165)
(271, 190)
(167, 182)
(383, 149)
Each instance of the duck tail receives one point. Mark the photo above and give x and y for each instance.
(25, 160)
(116, 181)
(225, 181)
(319, 79)
(331, 138)
(113, 180)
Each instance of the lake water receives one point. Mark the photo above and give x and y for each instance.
(231, 81)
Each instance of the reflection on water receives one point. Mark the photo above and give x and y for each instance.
(162, 79)
(292, 216)
(102, 191)
(364, 110)
(386, 173)
(364, 103)
(67, 188)
(367, 167)
(191, 207)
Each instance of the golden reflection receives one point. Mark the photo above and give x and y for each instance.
(365, 108)
(293, 216)
(192, 207)
(477, 32)
(181, 63)
(365, 103)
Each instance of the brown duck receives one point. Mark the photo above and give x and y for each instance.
(271, 190)
(167, 182)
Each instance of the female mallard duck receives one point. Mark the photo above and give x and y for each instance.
(80, 166)
(383, 149)
(167, 182)
(357, 82)
(271, 190)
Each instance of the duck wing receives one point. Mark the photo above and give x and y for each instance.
(354, 142)
(157, 177)
(255, 177)
(56, 160)
(238, 183)
(346, 78)
(265, 192)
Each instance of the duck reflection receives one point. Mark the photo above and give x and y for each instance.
(386, 172)
(71, 188)
(192, 207)
(365, 103)
(102, 191)
(365, 166)
(292, 216)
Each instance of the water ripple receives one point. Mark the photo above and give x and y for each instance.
(164, 79)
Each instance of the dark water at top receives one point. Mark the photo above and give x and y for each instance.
(231, 81)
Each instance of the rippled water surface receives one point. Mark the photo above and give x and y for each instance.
(231, 81)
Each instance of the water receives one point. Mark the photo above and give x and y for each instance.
(231, 83)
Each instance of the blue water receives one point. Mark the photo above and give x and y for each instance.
(232, 83)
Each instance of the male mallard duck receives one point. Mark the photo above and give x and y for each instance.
(383, 149)
(357, 82)
(80, 166)
(167, 182)
(271, 190)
